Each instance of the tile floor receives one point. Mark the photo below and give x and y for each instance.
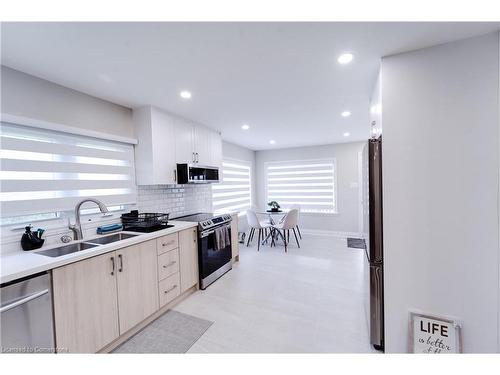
(309, 300)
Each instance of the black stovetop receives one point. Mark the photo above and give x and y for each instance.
(197, 218)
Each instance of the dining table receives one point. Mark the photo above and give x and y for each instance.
(272, 215)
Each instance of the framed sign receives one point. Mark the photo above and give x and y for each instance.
(432, 334)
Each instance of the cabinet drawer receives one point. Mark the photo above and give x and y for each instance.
(169, 289)
(167, 243)
(168, 263)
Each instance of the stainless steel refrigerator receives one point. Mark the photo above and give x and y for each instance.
(374, 265)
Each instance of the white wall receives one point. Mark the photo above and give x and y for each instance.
(376, 109)
(346, 156)
(440, 171)
(32, 97)
(235, 152)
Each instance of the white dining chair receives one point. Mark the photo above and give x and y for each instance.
(254, 223)
(288, 222)
(297, 207)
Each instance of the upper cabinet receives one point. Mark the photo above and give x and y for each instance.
(184, 143)
(155, 150)
(208, 147)
(165, 140)
(196, 144)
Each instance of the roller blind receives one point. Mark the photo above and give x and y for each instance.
(234, 193)
(48, 171)
(308, 183)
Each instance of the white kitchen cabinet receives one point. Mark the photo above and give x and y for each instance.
(216, 150)
(184, 142)
(196, 144)
(155, 152)
(165, 140)
(203, 143)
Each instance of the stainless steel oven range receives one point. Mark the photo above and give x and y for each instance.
(214, 245)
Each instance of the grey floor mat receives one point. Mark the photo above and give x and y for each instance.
(356, 243)
(173, 332)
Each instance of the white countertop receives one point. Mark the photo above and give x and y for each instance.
(19, 264)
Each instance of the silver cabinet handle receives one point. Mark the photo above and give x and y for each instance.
(194, 235)
(197, 158)
(194, 158)
(169, 290)
(168, 243)
(175, 174)
(23, 301)
(170, 264)
(113, 265)
(121, 263)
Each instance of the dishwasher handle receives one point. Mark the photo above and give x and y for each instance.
(24, 300)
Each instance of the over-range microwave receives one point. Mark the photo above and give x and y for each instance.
(196, 174)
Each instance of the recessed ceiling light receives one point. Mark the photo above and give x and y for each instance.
(272, 141)
(345, 58)
(346, 114)
(245, 127)
(347, 134)
(185, 95)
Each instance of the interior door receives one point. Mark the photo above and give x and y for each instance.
(85, 304)
(137, 276)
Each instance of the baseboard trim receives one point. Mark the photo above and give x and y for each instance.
(332, 233)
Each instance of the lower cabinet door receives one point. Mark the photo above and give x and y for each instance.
(188, 257)
(137, 276)
(235, 246)
(85, 304)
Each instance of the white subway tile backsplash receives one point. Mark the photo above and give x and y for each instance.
(178, 200)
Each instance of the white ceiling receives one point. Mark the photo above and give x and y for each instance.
(280, 78)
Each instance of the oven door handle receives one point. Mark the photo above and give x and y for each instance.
(211, 231)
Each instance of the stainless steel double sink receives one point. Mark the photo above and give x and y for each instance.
(85, 245)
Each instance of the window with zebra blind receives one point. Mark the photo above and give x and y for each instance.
(44, 171)
(307, 183)
(234, 193)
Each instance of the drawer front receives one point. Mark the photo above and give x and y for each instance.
(170, 288)
(168, 264)
(167, 243)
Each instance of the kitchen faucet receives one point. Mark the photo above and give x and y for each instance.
(77, 227)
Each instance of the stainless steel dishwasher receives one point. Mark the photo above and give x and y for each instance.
(26, 315)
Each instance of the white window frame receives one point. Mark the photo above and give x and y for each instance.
(335, 210)
(246, 163)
